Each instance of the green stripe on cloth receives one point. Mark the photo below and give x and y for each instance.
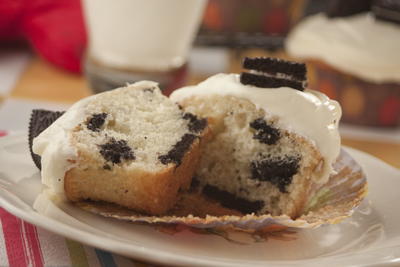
(106, 258)
(77, 254)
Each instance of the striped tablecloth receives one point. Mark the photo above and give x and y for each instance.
(23, 244)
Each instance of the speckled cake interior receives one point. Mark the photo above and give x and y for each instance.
(251, 165)
(131, 146)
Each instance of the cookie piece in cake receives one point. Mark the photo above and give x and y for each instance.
(270, 146)
(131, 146)
(346, 8)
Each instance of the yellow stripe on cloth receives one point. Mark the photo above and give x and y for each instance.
(77, 254)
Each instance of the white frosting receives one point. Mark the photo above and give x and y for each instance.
(145, 35)
(358, 45)
(54, 144)
(309, 113)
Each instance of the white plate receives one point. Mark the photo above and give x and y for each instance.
(371, 237)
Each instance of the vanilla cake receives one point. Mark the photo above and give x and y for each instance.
(131, 146)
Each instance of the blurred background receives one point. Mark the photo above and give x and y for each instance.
(54, 52)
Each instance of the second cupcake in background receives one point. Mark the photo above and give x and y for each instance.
(352, 56)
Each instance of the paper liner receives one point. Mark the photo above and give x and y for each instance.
(329, 203)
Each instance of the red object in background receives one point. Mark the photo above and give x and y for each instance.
(252, 16)
(54, 28)
(213, 16)
(276, 21)
(389, 113)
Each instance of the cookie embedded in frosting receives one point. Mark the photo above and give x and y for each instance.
(345, 8)
(268, 82)
(39, 121)
(274, 73)
(387, 10)
(275, 66)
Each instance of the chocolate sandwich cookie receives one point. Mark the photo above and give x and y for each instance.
(345, 8)
(39, 121)
(274, 66)
(387, 10)
(268, 82)
(274, 73)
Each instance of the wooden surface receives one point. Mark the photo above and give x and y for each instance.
(42, 81)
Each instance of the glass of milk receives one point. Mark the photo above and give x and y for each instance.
(132, 40)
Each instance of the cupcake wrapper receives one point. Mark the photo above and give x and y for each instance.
(329, 203)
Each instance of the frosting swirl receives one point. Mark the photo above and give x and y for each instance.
(359, 45)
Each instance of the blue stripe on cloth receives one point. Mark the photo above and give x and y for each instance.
(105, 258)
